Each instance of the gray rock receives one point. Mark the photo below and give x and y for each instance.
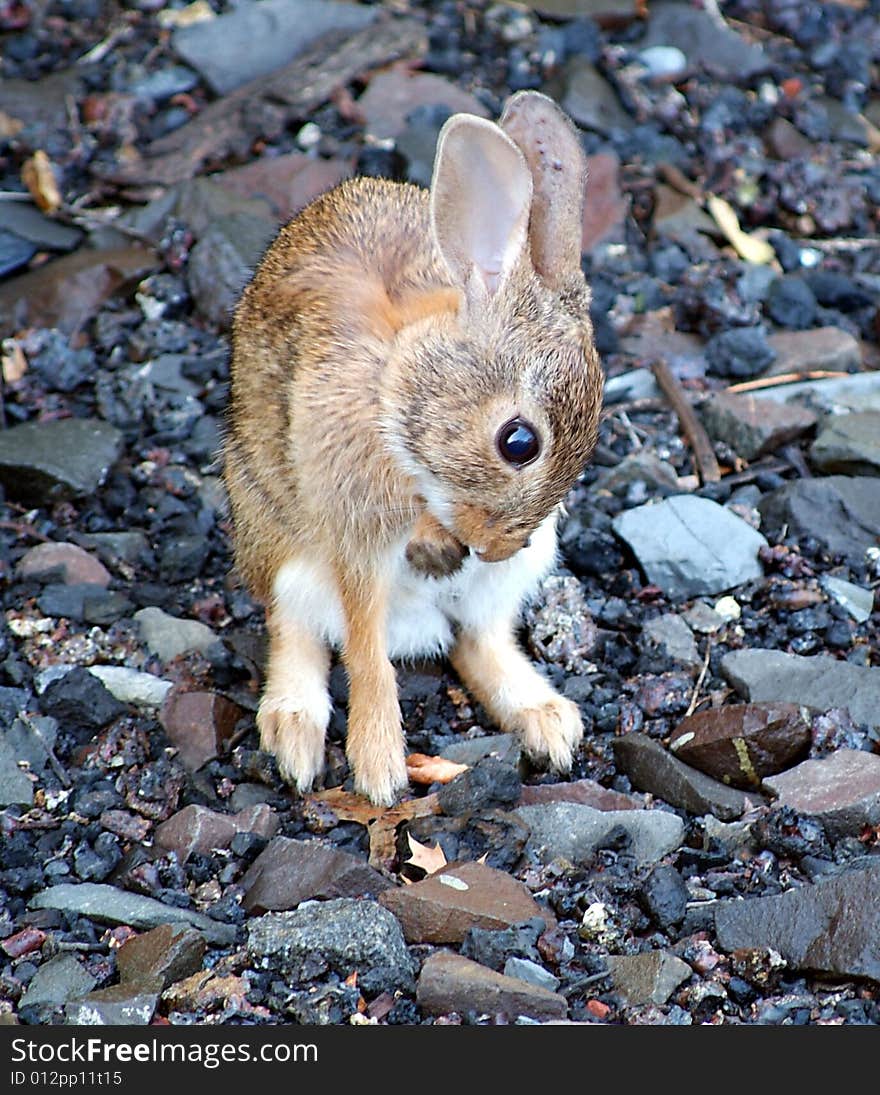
(46, 462)
(860, 392)
(841, 512)
(450, 983)
(820, 682)
(223, 260)
(842, 791)
(343, 934)
(590, 100)
(568, 830)
(649, 978)
(60, 979)
(15, 787)
(531, 972)
(170, 636)
(31, 739)
(753, 426)
(832, 926)
(703, 619)
(659, 475)
(631, 385)
(108, 905)
(857, 601)
(28, 223)
(848, 444)
(275, 31)
(689, 546)
(667, 642)
(119, 1005)
(505, 747)
(288, 871)
(819, 348)
(705, 40)
(132, 686)
(131, 547)
(652, 768)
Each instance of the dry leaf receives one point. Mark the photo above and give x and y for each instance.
(425, 769)
(750, 248)
(12, 361)
(429, 859)
(38, 176)
(198, 12)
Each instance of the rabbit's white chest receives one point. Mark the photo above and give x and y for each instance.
(422, 612)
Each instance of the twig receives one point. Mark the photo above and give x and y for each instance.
(783, 379)
(704, 455)
(692, 706)
(24, 529)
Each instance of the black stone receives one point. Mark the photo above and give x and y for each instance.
(739, 352)
(488, 784)
(80, 701)
(791, 303)
(664, 896)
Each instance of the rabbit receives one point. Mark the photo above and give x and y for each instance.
(414, 389)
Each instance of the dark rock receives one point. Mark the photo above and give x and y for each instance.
(785, 832)
(743, 743)
(753, 426)
(652, 768)
(222, 261)
(198, 829)
(44, 462)
(790, 303)
(849, 509)
(198, 724)
(15, 786)
(568, 830)
(741, 352)
(495, 837)
(487, 784)
(120, 1005)
(494, 948)
(58, 980)
(442, 907)
(848, 444)
(649, 978)
(667, 643)
(841, 791)
(664, 896)
(590, 100)
(15, 252)
(343, 935)
(531, 972)
(290, 871)
(80, 700)
(507, 748)
(831, 926)
(449, 983)
(166, 954)
(705, 41)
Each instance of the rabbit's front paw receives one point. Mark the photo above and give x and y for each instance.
(433, 550)
(296, 740)
(551, 732)
(378, 762)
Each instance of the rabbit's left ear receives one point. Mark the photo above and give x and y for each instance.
(481, 195)
(552, 148)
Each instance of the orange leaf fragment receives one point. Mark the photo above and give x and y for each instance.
(38, 176)
(428, 858)
(425, 769)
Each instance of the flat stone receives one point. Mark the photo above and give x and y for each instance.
(640, 466)
(166, 954)
(16, 789)
(222, 262)
(568, 830)
(275, 31)
(753, 426)
(526, 970)
(848, 444)
(649, 978)
(129, 546)
(605, 12)
(841, 512)
(652, 768)
(442, 907)
(831, 926)
(705, 40)
(820, 682)
(119, 1005)
(858, 392)
(170, 636)
(109, 905)
(393, 94)
(785, 142)
(58, 980)
(28, 223)
(605, 208)
(198, 829)
(288, 871)
(77, 698)
(31, 740)
(288, 183)
(589, 100)
(841, 790)
(198, 723)
(667, 643)
(505, 747)
(47, 462)
(703, 619)
(664, 896)
(742, 743)
(858, 601)
(343, 934)
(584, 791)
(690, 546)
(449, 983)
(829, 348)
(62, 561)
(132, 686)
(679, 217)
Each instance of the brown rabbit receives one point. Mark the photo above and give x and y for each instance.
(414, 390)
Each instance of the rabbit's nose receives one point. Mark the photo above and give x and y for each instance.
(527, 542)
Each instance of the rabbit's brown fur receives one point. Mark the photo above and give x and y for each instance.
(373, 362)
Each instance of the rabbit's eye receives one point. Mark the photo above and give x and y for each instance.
(518, 442)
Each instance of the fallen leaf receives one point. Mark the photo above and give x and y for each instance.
(12, 361)
(429, 859)
(748, 247)
(425, 769)
(38, 176)
(198, 12)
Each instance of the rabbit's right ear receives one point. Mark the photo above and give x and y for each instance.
(481, 194)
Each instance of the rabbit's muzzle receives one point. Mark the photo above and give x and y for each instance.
(492, 538)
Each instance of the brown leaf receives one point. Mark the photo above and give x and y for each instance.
(13, 363)
(38, 176)
(425, 769)
(429, 859)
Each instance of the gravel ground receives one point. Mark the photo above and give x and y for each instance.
(714, 856)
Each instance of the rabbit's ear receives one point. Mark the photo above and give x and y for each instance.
(481, 194)
(553, 151)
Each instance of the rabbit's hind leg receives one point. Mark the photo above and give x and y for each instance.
(295, 708)
(517, 697)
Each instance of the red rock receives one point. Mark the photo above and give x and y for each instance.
(842, 791)
(128, 826)
(166, 954)
(743, 743)
(23, 942)
(198, 723)
(820, 348)
(585, 791)
(442, 907)
(395, 93)
(198, 829)
(288, 182)
(450, 983)
(753, 426)
(605, 207)
(74, 565)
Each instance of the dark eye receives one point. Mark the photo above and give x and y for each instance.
(518, 442)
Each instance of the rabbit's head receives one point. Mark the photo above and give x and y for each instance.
(492, 404)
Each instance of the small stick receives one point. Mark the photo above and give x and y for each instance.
(782, 379)
(692, 706)
(704, 455)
